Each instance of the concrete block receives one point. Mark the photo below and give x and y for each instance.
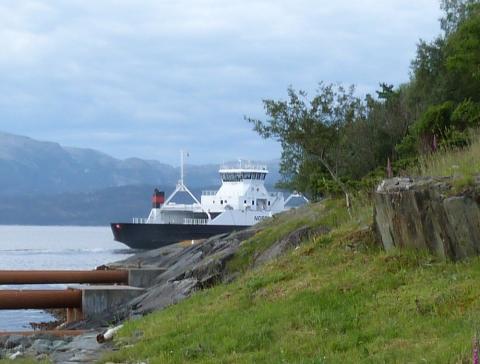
(98, 300)
(143, 277)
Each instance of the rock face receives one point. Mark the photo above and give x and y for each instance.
(291, 241)
(40, 347)
(425, 214)
(201, 266)
(187, 269)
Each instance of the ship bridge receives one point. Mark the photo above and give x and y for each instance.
(242, 189)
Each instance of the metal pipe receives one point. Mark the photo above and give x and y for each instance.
(63, 276)
(40, 299)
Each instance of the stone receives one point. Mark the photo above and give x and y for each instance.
(426, 214)
(42, 357)
(57, 345)
(291, 241)
(14, 341)
(41, 346)
(83, 348)
(3, 340)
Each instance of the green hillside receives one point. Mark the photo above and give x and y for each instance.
(338, 298)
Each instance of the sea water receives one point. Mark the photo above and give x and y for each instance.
(52, 248)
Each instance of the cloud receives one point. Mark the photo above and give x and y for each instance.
(112, 74)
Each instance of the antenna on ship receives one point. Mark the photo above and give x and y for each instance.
(181, 168)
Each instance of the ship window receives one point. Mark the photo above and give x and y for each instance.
(244, 201)
(268, 203)
(253, 203)
(225, 201)
(221, 202)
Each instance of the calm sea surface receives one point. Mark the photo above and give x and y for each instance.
(57, 247)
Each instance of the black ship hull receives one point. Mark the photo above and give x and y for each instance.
(152, 236)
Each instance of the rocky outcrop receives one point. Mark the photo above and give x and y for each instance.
(44, 347)
(425, 213)
(291, 241)
(201, 266)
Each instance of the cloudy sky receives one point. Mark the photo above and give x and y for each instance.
(145, 78)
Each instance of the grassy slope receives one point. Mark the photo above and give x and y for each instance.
(338, 298)
(462, 164)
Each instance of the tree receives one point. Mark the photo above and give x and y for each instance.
(428, 78)
(455, 12)
(312, 130)
(463, 58)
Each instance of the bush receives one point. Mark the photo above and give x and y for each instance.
(436, 120)
(466, 115)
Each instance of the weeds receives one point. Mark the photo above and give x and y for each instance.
(461, 164)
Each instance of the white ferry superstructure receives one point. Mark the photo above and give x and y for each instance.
(241, 201)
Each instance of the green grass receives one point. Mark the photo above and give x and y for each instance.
(328, 213)
(337, 299)
(461, 164)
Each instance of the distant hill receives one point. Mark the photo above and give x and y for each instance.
(44, 183)
(28, 165)
(32, 166)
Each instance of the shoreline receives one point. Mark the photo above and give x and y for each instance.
(187, 269)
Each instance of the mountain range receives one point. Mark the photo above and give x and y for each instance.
(49, 184)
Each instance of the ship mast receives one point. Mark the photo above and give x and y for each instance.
(181, 186)
(181, 168)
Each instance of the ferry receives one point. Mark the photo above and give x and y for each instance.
(241, 202)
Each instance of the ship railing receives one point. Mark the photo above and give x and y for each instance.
(181, 207)
(209, 193)
(245, 165)
(139, 220)
(189, 221)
